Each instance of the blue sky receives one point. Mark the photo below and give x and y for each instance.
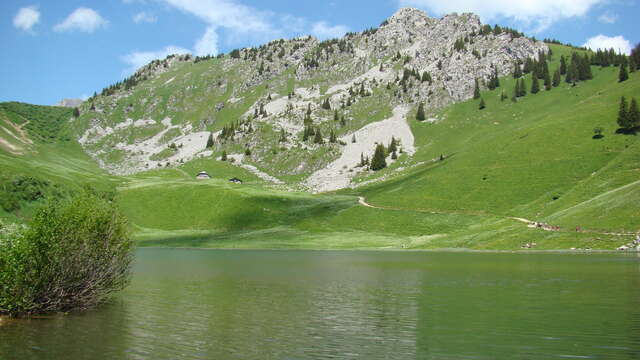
(69, 49)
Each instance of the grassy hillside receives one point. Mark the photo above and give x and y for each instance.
(534, 159)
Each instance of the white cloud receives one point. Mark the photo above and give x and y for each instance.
(226, 13)
(82, 19)
(608, 18)
(144, 17)
(539, 13)
(322, 30)
(26, 18)
(618, 43)
(137, 59)
(240, 21)
(208, 43)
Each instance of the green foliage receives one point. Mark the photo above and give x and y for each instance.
(378, 161)
(318, 137)
(517, 71)
(20, 190)
(74, 255)
(482, 104)
(45, 124)
(623, 75)
(556, 78)
(210, 141)
(535, 85)
(420, 116)
(223, 157)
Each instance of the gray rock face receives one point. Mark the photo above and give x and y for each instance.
(69, 103)
(387, 63)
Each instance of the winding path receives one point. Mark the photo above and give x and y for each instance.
(362, 201)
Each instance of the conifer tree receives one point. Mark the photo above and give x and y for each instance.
(476, 90)
(482, 104)
(503, 96)
(563, 65)
(547, 81)
(623, 75)
(535, 85)
(353, 138)
(394, 156)
(76, 112)
(224, 156)
(393, 146)
(623, 115)
(378, 161)
(332, 137)
(632, 65)
(633, 115)
(523, 88)
(516, 90)
(420, 116)
(247, 152)
(343, 122)
(335, 115)
(517, 72)
(556, 78)
(318, 137)
(210, 140)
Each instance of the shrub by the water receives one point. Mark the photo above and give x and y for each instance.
(73, 255)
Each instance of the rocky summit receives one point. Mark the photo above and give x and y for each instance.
(302, 109)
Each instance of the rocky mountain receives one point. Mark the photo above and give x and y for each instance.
(300, 111)
(72, 103)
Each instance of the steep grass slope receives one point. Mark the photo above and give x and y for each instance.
(535, 159)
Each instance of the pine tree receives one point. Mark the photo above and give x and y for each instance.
(623, 75)
(210, 140)
(224, 156)
(353, 138)
(535, 85)
(476, 90)
(516, 90)
(482, 104)
(318, 137)
(547, 81)
(394, 156)
(378, 162)
(523, 88)
(332, 137)
(556, 78)
(76, 112)
(633, 115)
(420, 114)
(623, 115)
(563, 65)
(335, 115)
(632, 65)
(247, 152)
(343, 122)
(393, 146)
(517, 72)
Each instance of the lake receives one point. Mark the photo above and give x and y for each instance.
(226, 304)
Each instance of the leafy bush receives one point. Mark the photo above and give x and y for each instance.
(74, 255)
(22, 188)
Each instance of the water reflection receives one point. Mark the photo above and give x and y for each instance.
(198, 304)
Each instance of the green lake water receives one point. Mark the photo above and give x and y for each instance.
(217, 304)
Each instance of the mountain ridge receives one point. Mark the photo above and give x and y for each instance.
(267, 97)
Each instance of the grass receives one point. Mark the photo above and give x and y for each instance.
(534, 159)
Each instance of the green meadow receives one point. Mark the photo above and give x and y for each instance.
(535, 159)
